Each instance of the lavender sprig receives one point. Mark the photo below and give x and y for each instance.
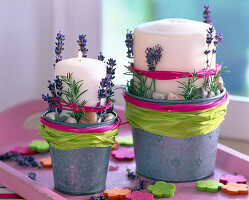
(207, 15)
(101, 57)
(153, 56)
(129, 44)
(59, 47)
(82, 43)
(48, 99)
(209, 39)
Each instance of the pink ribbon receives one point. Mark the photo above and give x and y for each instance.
(170, 75)
(81, 130)
(174, 107)
(73, 106)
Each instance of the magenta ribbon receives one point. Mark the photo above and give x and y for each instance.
(170, 75)
(74, 107)
(100, 129)
(174, 107)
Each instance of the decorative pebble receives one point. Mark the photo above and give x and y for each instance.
(157, 95)
(149, 94)
(113, 167)
(22, 150)
(71, 120)
(32, 175)
(201, 93)
(109, 116)
(218, 92)
(173, 96)
(208, 186)
(46, 162)
(116, 193)
(123, 153)
(92, 116)
(136, 195)
(230, 178)
(52, 115)
(162, 189)
(125, 140)
(211, 94)
(235, 188)
(39, 146)
(62, 118)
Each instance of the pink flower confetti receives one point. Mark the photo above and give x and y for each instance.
(22, 150)
(136, 195)
(123, 153)
(230, 178)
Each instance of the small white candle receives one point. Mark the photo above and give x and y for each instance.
(183, 42)
(91, 71)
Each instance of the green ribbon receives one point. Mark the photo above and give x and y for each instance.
(176, 124)
(64, 140)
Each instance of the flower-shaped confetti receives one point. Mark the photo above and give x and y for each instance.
(162, 189)
(123, 153)
(208, 186)
(116, 193)
(22, 150)
(113, 167)
(125, 141)
(136, 195)
(115, 146)
(235, 188)
(46, 162)
(230, 178)
(39, 146)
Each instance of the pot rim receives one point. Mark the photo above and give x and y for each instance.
(168, 102)
(99, 124)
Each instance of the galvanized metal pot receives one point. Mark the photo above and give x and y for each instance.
(80, 171)
(175, 159)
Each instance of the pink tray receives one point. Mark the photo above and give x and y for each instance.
(12, 133)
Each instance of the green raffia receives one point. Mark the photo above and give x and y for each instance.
(64, 140)
(175, 124)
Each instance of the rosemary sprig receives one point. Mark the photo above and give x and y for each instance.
(214, 85)
(189, 89)
(137, 85)
(73, 94)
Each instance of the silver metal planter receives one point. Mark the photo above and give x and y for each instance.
(175, 159)
(80, 171)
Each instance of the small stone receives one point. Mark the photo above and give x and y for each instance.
(218, 92)
(71, 120)
(92, 116)
(109, 116)
(52, 115)
(173, 96)
(149, 94)
(99, 119)
(157, 95)
(201, 93)
(62, 118)
(211, 94)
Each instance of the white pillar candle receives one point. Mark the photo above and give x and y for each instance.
(183, 42)
(89, 70)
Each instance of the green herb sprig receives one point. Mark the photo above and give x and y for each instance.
(73, 94)
(189, 89)
(137, 85)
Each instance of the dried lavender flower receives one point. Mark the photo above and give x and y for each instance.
(153, 56)
(59, 47)
(207, 15)
(101, 57)
(82, 43)
(129, 44)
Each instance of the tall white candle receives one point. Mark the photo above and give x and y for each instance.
(183, 42)
(89, 70)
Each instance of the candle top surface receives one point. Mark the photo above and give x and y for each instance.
(83, 61)
(174, 26)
